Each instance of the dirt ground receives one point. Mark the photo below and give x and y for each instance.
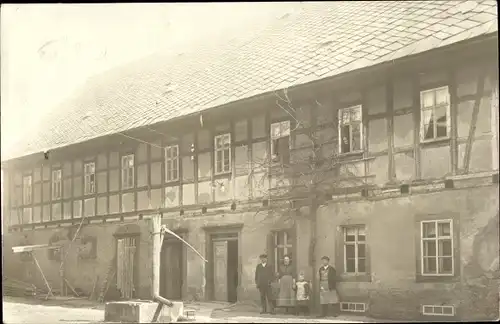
(21, 310)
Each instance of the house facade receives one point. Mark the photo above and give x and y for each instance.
(411, 223)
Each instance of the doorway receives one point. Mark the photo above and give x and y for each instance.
(225, 270)
(172, 268)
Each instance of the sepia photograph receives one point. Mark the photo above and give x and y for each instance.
(250, 162)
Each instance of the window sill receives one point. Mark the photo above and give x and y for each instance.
(172, 182)
(349, 155)
(366, 277)
(436, 142)
(436, 279)
(220, 175)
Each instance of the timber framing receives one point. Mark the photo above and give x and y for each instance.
(113, 147)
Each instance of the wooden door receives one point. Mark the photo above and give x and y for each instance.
(126, 248)
(220, 270)
(172, 270)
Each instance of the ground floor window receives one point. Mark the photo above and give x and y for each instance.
(282, 245)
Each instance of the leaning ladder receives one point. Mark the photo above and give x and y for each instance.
(110, 274)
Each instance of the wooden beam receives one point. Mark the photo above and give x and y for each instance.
(452, 86)
(475, 113)
(416, 123)
(390, 126)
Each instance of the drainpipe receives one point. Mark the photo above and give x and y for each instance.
(157, 244)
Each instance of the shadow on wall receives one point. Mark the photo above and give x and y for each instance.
(483, 272)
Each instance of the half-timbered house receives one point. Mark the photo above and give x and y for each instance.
(404, 92)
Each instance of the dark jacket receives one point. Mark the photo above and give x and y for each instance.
(264, 275)
(286, 270)
(332, 277)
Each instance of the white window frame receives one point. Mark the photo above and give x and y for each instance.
(341, 123)
(127, 171)
(287, 248)
(168, 158)
(433, 107)
(434, 313)
(354, 243)
(279, 130)
(90, 184)
(223, 149)
(56, 184)
(27, 184)
(346, 307)
(436, 239)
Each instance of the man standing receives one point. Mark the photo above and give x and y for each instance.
(328, 291)
(263, 277)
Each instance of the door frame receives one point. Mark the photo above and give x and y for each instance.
(220, 233)
(183, 233)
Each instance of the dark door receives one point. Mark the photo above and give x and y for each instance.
(232, 271)
(171, 269)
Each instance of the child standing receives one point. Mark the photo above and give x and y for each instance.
(303, 291)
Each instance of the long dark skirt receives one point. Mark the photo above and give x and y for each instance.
(286, 297)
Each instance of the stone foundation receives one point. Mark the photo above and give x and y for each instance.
(140, 311)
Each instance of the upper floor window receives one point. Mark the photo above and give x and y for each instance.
(128, 171)
(437, 248)
(354, 250)
(435, 114)
(350, 129)
(89, 178)
(27, 189)
(222, 153)
(172, 163)
(280, 141)
(56, 184)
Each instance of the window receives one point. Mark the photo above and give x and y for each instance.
(355, 250)
(89, 169)
(56, 184)
(172, 163)
(27, 189)
(280, 142)
(435, 115)
(283, 245)
(222, 153)
(353, 307)
(437, 248)
(438, 310)
(128, 171)
(350, 129)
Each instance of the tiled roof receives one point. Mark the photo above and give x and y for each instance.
(309, 41)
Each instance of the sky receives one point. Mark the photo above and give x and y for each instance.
(49, 50)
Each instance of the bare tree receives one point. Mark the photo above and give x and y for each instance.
(305, 174)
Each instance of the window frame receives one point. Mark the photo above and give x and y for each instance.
(222, 149)
(287, 248)
(56, 184)
(288, 133)
(355, 243)
(436, 239)
(26, 201)
(130, 174)
(341, 123)
(432, 108)
(87, 176)
(170, 159)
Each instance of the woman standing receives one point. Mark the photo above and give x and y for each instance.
(286, 297)
(327, 284)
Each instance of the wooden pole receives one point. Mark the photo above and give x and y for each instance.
(49, 293)
(157, 237)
